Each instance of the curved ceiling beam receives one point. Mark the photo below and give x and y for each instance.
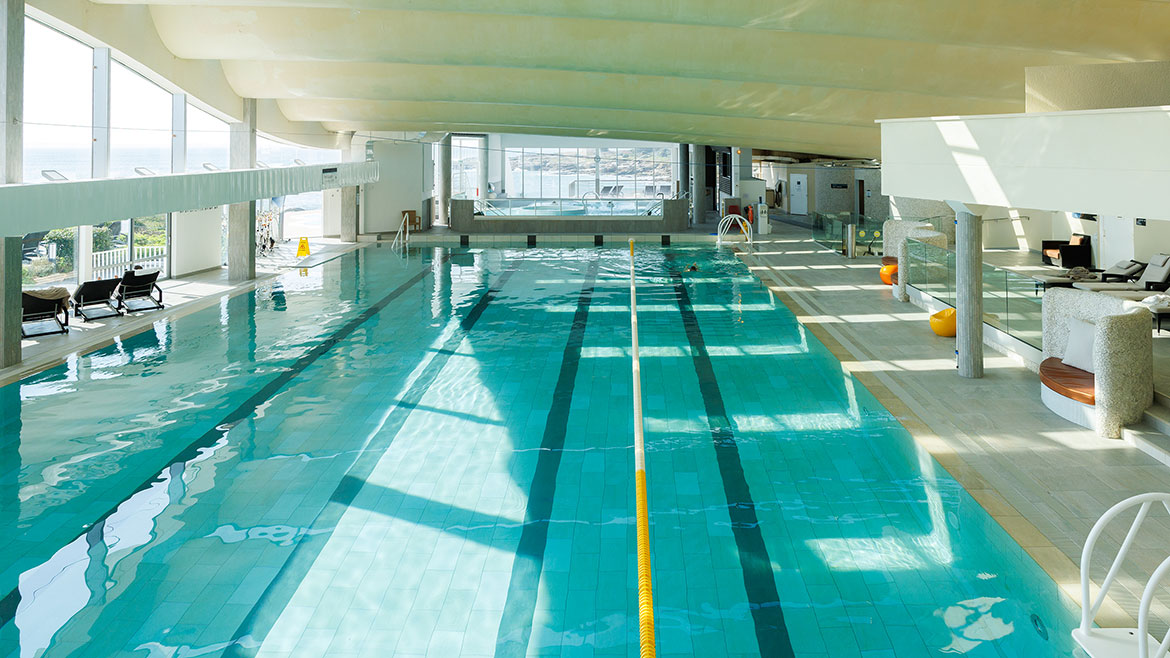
(421, 82)
(667, 137)
(595, 45)
(356, 115)
(1110, 29)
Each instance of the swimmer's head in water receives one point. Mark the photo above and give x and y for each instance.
(693, 268)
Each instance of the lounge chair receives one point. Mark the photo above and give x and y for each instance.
(35, 308)
(1155, 277)
(95, 293)
(1125, 270)
(1077, 251)
(138, 286)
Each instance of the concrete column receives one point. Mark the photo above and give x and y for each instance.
(11, 170)
(443, 182)
(969, 293)
(699, 186)
(242, 216)
(349, 214)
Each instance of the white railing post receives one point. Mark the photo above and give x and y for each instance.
(1120, 643)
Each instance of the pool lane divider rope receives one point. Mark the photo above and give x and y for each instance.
(758, 578)
(645, 580)
(242, 412)
(515, 629)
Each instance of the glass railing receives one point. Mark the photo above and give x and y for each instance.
(1011, 301)
(588, 207)
(847, 233)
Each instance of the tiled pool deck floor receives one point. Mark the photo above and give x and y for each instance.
(1044, 479)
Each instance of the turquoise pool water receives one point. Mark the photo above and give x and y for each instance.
(431, 455)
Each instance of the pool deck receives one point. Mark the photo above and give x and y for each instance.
(181, 296)
(1044, 479)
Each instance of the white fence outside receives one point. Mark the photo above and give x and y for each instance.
(115, 262)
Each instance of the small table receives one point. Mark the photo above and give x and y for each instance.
(1159, 312)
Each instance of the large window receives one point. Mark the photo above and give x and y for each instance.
(299, 215)
(465, 167)
(58, 101)
(642, 172)
(140, 125)
(208, 141)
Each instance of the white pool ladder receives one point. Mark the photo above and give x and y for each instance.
(1121, 642)
(402, 237)
(725, 225)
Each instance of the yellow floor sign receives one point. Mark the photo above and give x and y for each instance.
(303, 248)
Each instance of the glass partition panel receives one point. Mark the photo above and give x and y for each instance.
(1012, 302)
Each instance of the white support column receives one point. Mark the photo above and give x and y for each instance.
(443, 182)
(11, 170)
(242, 216)
(969, 291)
(699, 185)
(682, 170)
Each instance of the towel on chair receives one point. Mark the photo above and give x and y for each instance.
(61, 295)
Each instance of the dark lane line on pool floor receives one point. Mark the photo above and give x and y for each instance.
(9, 603)
(520, 606)
(758, 579)
(268, 608)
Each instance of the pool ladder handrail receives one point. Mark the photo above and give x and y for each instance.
(1121, 642)
(402, 237)
(727, 222)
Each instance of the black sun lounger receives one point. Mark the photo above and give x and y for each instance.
(96, 293)
(139, 287)
(35, 309)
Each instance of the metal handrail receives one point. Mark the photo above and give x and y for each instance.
(645, 581)
(725, 225)
(1085, 634)
(403, 235)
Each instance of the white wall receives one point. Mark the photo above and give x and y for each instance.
(404, 181)
(1093, 161)
(331, 212)
(196, 240)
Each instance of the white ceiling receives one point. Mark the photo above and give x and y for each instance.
(801, 75)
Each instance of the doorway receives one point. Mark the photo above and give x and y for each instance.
(798, 194)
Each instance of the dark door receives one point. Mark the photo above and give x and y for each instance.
(860, 197)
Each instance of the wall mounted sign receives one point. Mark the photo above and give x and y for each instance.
(839, 186)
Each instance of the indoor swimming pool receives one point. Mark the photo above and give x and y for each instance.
(430, 455)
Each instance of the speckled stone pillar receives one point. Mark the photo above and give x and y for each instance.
(242, 216)
(969, 293)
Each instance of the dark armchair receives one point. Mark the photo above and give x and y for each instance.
(1074, 252)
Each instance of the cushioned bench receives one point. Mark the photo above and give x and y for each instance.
(1072, 383)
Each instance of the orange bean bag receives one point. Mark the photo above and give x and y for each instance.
(943, 322)
(887, 272)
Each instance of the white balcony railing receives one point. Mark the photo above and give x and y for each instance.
(115, 262)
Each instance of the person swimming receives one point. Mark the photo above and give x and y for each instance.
(693, 268)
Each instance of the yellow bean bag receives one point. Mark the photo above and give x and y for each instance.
(887, 273)
(943, 322)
